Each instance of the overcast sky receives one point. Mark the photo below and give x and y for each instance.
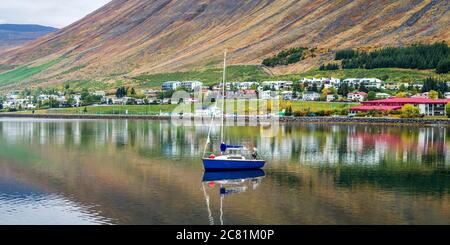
(55, 13)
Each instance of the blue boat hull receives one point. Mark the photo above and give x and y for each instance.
(214, 164)
(232, 175)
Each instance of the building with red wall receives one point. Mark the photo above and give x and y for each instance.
(428, 107)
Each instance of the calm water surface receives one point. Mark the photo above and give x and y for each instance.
(150, 172)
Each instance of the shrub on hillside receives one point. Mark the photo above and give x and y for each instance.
(285, 57)
(329, 67)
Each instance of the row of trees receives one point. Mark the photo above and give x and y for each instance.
(125, 91)
(436, 85)
(417, 56)
(329, 67)
(286, 57)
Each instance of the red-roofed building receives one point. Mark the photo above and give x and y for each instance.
(428, 107)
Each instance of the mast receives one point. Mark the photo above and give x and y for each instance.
(223, 94)
(208, 139)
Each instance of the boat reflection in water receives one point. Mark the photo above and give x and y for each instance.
(229, 182)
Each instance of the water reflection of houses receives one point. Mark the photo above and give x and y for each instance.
(331, 145)
(304, 144)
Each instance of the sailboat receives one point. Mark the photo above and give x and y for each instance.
(232, 157)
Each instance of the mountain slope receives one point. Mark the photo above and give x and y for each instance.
(131, 37)
(13, 35)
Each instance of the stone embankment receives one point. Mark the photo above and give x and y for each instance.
(332, 120)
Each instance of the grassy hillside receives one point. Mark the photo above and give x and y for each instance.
(394, 74)
(211, 76)
(25, 72)
(128, 38)
(207, 76)
(256, 73)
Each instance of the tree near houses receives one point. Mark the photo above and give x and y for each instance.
(324, 94)
(410, 111)
(343, 89)
(433, 94)
(401, 95)
(363, 88)
(371, 95)
(121, 92)
(71, 101)
(434, 84)
(447, 110)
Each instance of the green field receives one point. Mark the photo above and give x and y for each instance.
(320, 106)
(25, 72)
(110, 110)
(157, 109)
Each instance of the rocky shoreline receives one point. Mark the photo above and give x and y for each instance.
(316, 120)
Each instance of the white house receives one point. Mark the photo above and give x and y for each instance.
(326, 82)
(9, 104)
(99, 93)
(418, 86)
(171, 85)
(43, 97)
(372, 83)
(267, 95)
(310, 96)
(287, 95)
(191, 85)
(77, 99)
(382, 96)
(244, 85)
(357, 96)
(277, 85)
(368, 82)
(118, 101)
(331, 97)
(14, 95)
(425, 95)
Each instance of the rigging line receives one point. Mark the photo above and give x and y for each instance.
(208, 140)
(210, 217)
(221, 209)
